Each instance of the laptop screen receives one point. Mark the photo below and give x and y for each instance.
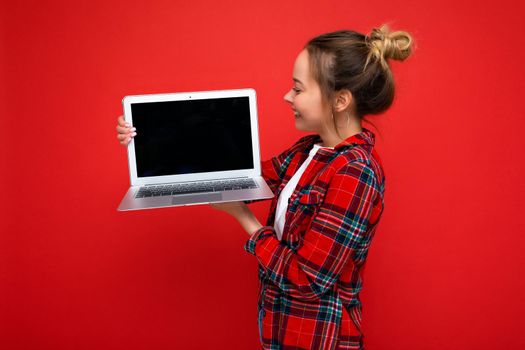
(192, 136)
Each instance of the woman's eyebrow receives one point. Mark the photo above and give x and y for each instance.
(297, 80)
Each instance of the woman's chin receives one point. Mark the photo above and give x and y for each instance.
(299, 125)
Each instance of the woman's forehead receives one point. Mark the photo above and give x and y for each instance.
(301, 72)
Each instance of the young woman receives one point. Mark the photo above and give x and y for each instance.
(329, 188)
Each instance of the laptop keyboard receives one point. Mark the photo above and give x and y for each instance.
(211, 186)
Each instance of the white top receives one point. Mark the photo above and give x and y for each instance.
(282, 202)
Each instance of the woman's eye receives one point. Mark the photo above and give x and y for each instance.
(296, 90)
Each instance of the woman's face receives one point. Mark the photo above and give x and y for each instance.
(305, 98)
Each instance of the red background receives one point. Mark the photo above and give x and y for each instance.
(445, 270)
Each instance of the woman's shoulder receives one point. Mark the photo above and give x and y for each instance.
(360, 157)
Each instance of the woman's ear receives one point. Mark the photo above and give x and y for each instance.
(343, 100)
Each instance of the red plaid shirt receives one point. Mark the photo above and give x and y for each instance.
(309, 282)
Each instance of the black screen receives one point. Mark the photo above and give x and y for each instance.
(192, 136)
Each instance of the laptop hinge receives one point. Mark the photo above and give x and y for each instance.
(199, 181)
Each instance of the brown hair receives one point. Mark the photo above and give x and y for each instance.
(346, 59)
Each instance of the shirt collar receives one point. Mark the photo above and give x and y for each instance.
(365, 137)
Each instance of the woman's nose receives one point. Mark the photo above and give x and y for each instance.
(287, 97)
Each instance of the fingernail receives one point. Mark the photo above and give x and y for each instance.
(133, 134)
(133, 129)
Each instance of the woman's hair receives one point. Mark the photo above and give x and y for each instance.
(346, 59)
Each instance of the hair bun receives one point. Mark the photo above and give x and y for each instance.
(384, 44)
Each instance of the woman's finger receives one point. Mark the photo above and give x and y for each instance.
(122, 122)
(124, 130)
(122, 137)
(124, 143)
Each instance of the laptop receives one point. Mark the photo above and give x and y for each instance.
(193, 148)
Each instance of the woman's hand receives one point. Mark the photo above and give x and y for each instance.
(235, 209)
(124, 131)
(241, 212)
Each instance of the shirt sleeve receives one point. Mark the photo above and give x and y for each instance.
(270, 170)
(336, 233)
(273, 169)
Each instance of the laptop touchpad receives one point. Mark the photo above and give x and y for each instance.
(195, 198)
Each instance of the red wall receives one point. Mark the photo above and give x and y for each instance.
(445, 270)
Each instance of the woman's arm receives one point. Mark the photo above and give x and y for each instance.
(270, 170)
(242, 213)
(273, 169)
(337, 232)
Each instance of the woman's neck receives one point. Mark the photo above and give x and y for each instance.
(330, 138)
